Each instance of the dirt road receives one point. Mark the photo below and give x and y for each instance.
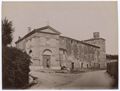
(88, 80)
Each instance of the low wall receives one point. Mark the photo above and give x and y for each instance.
(112, 69)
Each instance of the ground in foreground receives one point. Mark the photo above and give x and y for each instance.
(88, 80)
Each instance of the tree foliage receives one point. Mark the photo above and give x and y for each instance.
(7, 31)
(112, 57)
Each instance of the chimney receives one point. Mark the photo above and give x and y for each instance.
(96, 35)
(29, 29)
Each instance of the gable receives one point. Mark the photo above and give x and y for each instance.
(48, 31)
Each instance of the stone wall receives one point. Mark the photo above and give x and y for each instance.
(101, 43)
(82, 55)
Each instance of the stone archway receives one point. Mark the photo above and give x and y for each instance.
(47, 58)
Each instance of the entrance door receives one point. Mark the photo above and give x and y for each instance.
(46, 61)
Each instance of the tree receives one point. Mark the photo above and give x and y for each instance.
(7, 31)
(15, 63)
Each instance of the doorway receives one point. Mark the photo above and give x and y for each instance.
(46, 61)
(47, 58)
(72, 65)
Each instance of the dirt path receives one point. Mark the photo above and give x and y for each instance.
(89, 80)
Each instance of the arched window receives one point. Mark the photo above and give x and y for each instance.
(47, 52)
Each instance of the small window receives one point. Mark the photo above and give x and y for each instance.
(30, 51)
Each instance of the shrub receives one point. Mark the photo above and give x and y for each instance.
(15, 68)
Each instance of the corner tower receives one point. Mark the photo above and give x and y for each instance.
(100, 42)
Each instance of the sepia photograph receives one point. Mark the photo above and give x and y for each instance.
(60, 45)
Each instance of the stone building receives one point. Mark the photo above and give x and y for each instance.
(48, 49)
(101, 43)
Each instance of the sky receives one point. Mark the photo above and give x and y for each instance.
(77, 20)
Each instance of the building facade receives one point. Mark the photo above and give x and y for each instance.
(48, 49)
